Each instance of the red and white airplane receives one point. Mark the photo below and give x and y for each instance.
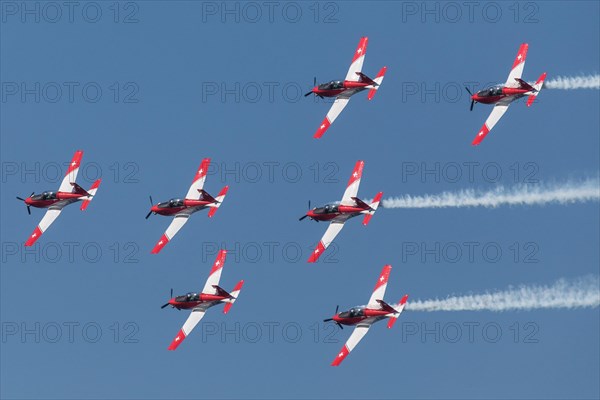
(354, 82)
(503, 95)
(365, 316)
(69, 192)
(195, 200)
(211, 295)
(350, 206)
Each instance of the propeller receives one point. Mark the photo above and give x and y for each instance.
(331, 319)
(164, 305)
(314, 84)
(27, 205)
(472, 101)
(304, 216)
(150, 212)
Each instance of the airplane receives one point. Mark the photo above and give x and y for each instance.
(503, 95)
(365, 316)
(211, 295)
(355, 82)
(69, 192)
(195, 200)
(350, 207)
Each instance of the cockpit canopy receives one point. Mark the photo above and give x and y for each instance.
(48, 195)
(353, 312)
(171, 203)
(187, 297)
(333, 85)
(491, 91)
(328, 209)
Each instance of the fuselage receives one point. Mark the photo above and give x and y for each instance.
(176, 206)
(358, 314)
(331, 211)
(49, 198)
(497, 93)
(192, 300)
(335, 88)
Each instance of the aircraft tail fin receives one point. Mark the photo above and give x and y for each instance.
(537, 87)
(91, 192)
(398, 308)
(218, 201)
(205, 196)
(234, 295)
(378, 79)
(373, 207)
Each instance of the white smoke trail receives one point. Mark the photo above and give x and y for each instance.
(573, 82)
(583, 292)
(580, 192)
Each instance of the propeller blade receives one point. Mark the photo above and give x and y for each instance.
(340, 325)
(472, 104)
(308, 94)
(20, 198)
(315, 81)
(328, 319)
(469, 91)
(171, 292)
(302, 217)
(336, 309)
(309, 205)
(163, 306)
(28, 210)
(148, 215)
(32, 193)
(151, 202)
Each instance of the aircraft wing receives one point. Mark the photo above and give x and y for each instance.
(497, 113)
(177, 223)
(71, 175)
(338, 105)
(353, 184)
(215, 273)
(357, 60)
(518, 65)
(332, 231)
(359, 332)
(380, 287)
(44, 224)
(198, 182)
(195, 317)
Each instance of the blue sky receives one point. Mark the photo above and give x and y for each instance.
(150, 139)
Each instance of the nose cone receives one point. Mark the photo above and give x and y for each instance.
(336, 318)
(310, 214)
(173, 302)
(154, 208)
(28, 201)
